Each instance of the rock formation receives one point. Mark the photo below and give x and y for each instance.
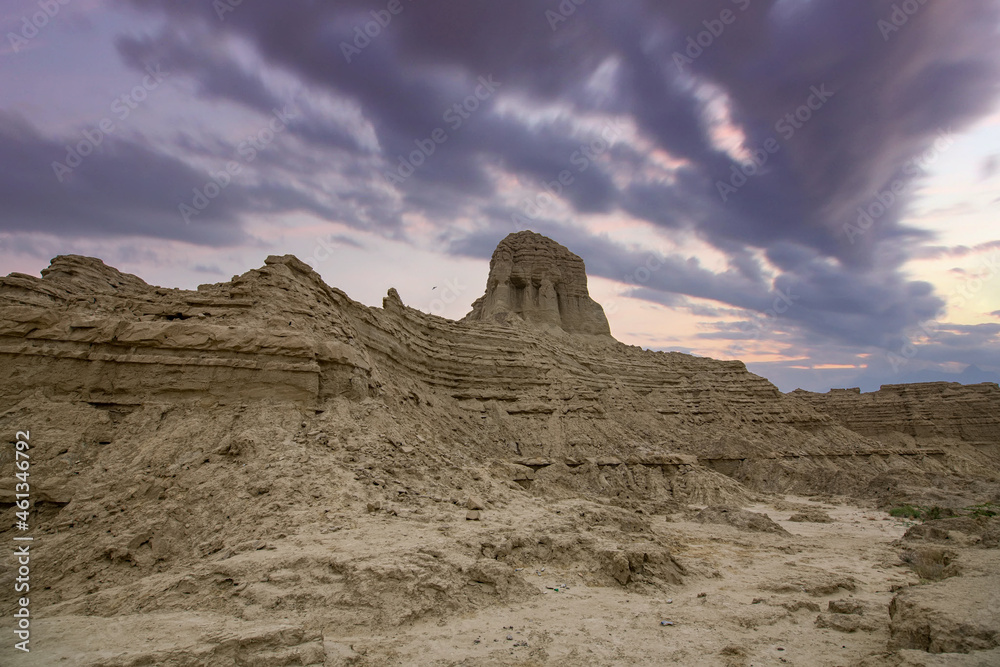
(268, 445)
(87, 333)
(533, 279)
(927, 413)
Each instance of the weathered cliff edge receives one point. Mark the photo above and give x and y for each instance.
(89, 336)
(927, 413)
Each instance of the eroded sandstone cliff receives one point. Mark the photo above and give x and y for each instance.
(929, 413)
(535, 280)
(87, 334)
(268, 445)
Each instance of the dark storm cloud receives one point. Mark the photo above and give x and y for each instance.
(217, 75)
(220, 77)
(967, 334)
(890, 100)
(892, 93)
(123, 187)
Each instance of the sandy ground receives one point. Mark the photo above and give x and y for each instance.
(741, 614)
(748, 598)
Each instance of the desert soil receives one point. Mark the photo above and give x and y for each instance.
(748, 598)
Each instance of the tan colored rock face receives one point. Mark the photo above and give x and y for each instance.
(252, 460)
(926, 412)
(87, 332)
(536, 280)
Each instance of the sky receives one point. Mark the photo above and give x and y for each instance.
(810, 186)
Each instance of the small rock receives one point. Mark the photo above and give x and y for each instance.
(510, 637)
(845, 607)
(472, 515)
(406, 449)
(811, 516)
(846, 623)
(475, 503)
(187, 585)
(666, 622)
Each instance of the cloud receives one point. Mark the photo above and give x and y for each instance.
(219, 77)
(887, 106)
(126, 186)
(938, 252)
(123, 188)
(989, 167)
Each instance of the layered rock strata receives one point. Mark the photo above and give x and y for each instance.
(533, 279)
(926, 412)
(87, 333)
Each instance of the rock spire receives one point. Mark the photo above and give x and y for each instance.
(535, 280)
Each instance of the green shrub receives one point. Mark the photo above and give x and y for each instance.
(906, 512)
(922, 513)
(985, 509)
